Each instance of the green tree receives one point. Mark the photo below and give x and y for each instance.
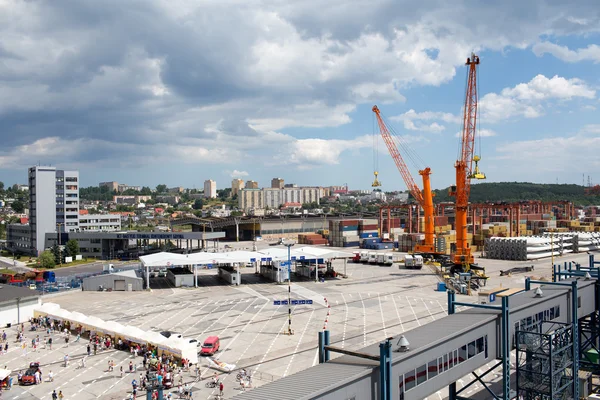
(161, 188)
(18, 206)
(146, 191)
(56, 253)
(73, 246)
(198, 203)
(46, 259)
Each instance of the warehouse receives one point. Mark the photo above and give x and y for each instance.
(120, 281)
(17, 304)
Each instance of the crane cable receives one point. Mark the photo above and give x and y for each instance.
(375, 147)
(406, 151)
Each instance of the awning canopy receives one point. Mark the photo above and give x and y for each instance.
(325, 253)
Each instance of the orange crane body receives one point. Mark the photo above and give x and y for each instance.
(424, 197)
(464, 166)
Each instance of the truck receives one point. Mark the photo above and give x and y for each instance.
(356, 257)
(364, 257)
(372, 257)
(388, 259)
(413, 261)
(108, 268)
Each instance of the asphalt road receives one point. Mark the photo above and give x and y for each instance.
(91, 268)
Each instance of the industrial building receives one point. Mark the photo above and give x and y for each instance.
(111, 245)
(129, 281)
(553, 328)
(17, 304)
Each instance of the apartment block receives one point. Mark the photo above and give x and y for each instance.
(277, 183)
(42, 206)
(251, 199)
(236, 186)
(67, 200)
(251, 185)
(122, 188)
(210, 189)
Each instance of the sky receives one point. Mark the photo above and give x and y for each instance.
(146, 92)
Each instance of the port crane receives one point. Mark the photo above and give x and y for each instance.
(423, 197)
(462, 258)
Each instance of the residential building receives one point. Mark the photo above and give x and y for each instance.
(250, 198)
(273, 198)
(130, 199)
(290, 185)
(251, 185)
(112, 186)
(42, 208)
(210, 189)
(19, 238)
(169, 199)
(67, 200)
(236, 186)
(100, 222)
(176, 190)
(22, 188)
(122, 188)
(277, 183)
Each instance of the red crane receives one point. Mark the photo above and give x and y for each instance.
(424, 198)
(465, 171)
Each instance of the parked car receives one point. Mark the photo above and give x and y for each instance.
(29, 377)
(210, 346)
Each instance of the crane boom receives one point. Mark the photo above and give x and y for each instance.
(424, 198)
(464, 166)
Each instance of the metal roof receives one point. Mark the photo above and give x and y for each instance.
(306, 384)
(318, 380)
(9, 292)
(130, 273)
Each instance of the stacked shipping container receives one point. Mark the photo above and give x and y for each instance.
(344, 233)
(311, 238)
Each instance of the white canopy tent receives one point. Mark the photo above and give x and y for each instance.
(325, 253)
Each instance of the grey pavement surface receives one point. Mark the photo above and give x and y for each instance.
(372, 304)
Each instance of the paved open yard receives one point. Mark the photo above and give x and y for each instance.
(372, 304)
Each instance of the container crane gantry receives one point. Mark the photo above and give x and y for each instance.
(424, 198)
(465, 171)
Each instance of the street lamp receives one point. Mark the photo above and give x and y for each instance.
(289, 245)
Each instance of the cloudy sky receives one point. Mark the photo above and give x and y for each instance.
(179, 91)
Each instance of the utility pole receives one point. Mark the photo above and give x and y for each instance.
(289, 245)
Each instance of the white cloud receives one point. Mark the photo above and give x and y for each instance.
(529, 99)
(481, 133)
(590, 53)
(557, 154)
(409, 118)
(238, 174)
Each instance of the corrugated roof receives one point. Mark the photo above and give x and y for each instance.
(129, 273)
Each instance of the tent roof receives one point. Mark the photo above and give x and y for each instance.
(325, 253)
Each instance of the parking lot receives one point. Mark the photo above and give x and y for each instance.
(371, 304)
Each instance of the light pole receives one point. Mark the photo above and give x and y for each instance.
(289, 246)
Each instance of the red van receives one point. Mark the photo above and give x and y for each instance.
(210, 346)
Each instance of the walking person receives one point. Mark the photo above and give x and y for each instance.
(89, 350)
(50, 343)
(54, 395)
(121, 368)
(24, 347)
(221, 387)
(60, 395)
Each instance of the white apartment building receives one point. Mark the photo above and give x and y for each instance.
(210, 189)
(273, 198)
(67, 200)
(100, 222)
(42, 207)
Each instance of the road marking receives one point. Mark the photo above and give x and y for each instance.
(345, 321)
(299, 342)
(382, 316)
(413, 311)
(428, 310)
(364, 320)
(398, 313)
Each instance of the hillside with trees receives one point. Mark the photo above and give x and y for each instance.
(520, 191)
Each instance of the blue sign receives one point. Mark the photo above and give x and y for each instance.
(302, 257)
(293, 302)
(269, 259)
(293, 258)
(492, 297)
(263, 259)
(285, 264)
(253, 260)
